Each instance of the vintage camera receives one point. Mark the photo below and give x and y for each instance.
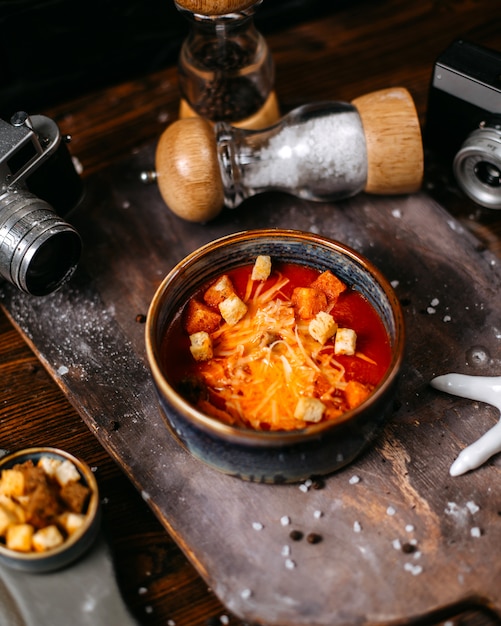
(39, 251)
(463, 122)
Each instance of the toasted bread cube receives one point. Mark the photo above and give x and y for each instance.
(201, 346)
(262, 268)
(308, 301)
(66, 472)
(7, 518)
(49, 465)
(71, 522)
(355, 393)
(345, 342)
(14, 507)
(232, 309)
(199, 317)
(18, 537)
(330, 284)
(309, 409)
(47, 538)
(75, 496)
(219, 291)
(322, 327)
(12, 482)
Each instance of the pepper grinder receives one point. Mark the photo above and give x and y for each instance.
(226, 72)
(322, 151)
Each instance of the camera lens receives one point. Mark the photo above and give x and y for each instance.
(477, 166)
(38, 250)
(488, 173)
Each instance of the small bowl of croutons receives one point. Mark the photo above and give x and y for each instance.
(275, 353)
(49, 509)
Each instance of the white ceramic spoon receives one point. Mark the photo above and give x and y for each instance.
(485, 389)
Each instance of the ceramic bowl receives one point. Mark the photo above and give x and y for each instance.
(272, 456)
(78, 542)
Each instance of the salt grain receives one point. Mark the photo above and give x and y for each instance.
(354, 480)
(224, 619)
(257, 526)
(245, 594)
(142, 590)
(475, 532)
(286, 550)
(290, 564)
(317, 514)
(285, 520)
(472, 507)
(446, 318)
(409, 528)
(357, 527)
(396, 544)
(390, 511)
(413, 569)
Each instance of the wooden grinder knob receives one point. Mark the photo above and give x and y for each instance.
(188, 173)
(215, 7)
(394, 144)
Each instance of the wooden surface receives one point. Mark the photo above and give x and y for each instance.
(349, 53)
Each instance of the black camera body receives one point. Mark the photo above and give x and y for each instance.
(463, 123)
(38, 184)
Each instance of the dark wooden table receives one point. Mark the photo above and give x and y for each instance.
(346, 53)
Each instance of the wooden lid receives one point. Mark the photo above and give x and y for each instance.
(394, 144)
(187, 169)
(215, 7)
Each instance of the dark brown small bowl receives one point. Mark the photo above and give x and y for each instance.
(285, 456)
(79, 541)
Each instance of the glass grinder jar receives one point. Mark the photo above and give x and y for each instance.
(225, 68)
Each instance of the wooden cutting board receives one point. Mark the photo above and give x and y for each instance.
(400, 538)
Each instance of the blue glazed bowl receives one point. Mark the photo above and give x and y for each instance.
(274, 457)
(78, 542)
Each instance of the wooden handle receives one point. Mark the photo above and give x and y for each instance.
(187, 169)
(215, 7)
(394, 144)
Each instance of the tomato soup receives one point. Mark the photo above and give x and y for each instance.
(278, 350)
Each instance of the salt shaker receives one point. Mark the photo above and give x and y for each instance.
(321, 151)
(226, 72)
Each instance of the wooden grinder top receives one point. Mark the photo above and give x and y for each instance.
(215, 7)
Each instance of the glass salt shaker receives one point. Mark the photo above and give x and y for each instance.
(321, 151)
(226, 71)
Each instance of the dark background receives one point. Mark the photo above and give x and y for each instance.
(55, 50)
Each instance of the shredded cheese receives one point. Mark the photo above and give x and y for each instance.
(264, 363)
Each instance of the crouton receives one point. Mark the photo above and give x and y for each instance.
(66, 472)
(322, 327)
(75, 496)
(201, 346)
(7, 518)
(262, 268)
(232, 309)
(49, 465)
(307, 302)
(71, 522)
(309, 409)
(14, 508)
(12, 482)
(329, 284)
(219, 291)
(355, 393)
(199, 316)
(345, 342)
(47, 538)
(18, 537)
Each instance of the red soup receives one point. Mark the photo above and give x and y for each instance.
(274, 346)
